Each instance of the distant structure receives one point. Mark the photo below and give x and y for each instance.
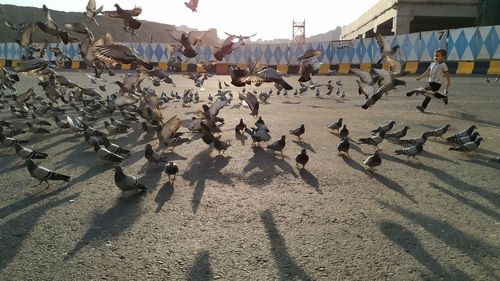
(298, 32)
(394, 17)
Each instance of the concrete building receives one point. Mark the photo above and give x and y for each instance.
(390, 17)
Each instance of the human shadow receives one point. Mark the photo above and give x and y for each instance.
(262, 167)
(163, 195)
(380, 178)
(201, 271)
(304, 145)
(288, 269)
(112, 222)
(456, 183)
(18, 228)
(453, 237)
(484, 162)
(203, 167)
(466, 201)
(152, 176)
(93, 171)
(405, 239)
(29, 200)
(310, 179)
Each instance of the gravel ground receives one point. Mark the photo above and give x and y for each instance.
(252, 216)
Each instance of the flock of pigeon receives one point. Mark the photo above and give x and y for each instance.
(76, 109)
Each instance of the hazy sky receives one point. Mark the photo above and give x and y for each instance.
(269, 18)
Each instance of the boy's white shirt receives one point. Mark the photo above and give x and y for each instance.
(436, 71)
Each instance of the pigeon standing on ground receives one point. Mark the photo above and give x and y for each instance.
(411, 151)
(398, 134)
(465, 139)
(221, 145)
(463, 133)
(105, 154)
(154, 157)
(386, 127)
(439, 132)
(468, 147)
(373, 161)
(298, 131)
(116, 149)
(278, 145)
(302, 159)
(335, 126)
(43, 174)
(373, 140)
(127, 182)
(344, 133)
(171, 169)
(8, 142)
(344, 146)
(27, 153)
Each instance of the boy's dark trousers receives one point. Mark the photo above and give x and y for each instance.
(432, 86)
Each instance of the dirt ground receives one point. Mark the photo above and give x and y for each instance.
(252, 216)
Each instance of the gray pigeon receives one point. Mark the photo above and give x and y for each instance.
(439, 132)
(278, 145)
(27, 153)
(105, 154)
(411, 151)
(398, 134)
(43, 174)
(127, 182)
(463, 133)
(335, 126)
(386, 127)
(298, 131)
(154, 157)
(468, 147)
(344, 133)
(373, 140)
(221, 145)
(465, 139)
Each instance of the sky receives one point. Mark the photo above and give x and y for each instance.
(271, 19)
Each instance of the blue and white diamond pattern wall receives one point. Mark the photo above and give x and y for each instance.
(430, 44)
(268, 55)
(322, 57)
(2, 50)
(288, 54)
(330, 52)
(139, 48)
(278, 54)
(207, 53)
(491, 40)
(476, 43)
(157, 52)
(299, 51)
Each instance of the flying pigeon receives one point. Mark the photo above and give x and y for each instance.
(127, 182)
(43, 174)
(91, 11)
(192, 5)
(302, 158)
(252, 102)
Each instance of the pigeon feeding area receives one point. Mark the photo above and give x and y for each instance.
(207, 181)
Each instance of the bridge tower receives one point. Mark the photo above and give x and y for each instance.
(299, 32)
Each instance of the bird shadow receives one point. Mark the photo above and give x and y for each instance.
(241, 137)
(288, 268)
(407, 240)
(18, 228)
(453, 237)
(262, 168)
(310, 179)
(380, 178)
(428, 154)
(466, 201)
(203, 167)
(484, 162)
(291, 102)
(201, 271)
(110, 224)
(304, 145)
(163, 195)
(152, 175)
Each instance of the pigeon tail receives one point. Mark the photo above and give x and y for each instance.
(59, 177)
